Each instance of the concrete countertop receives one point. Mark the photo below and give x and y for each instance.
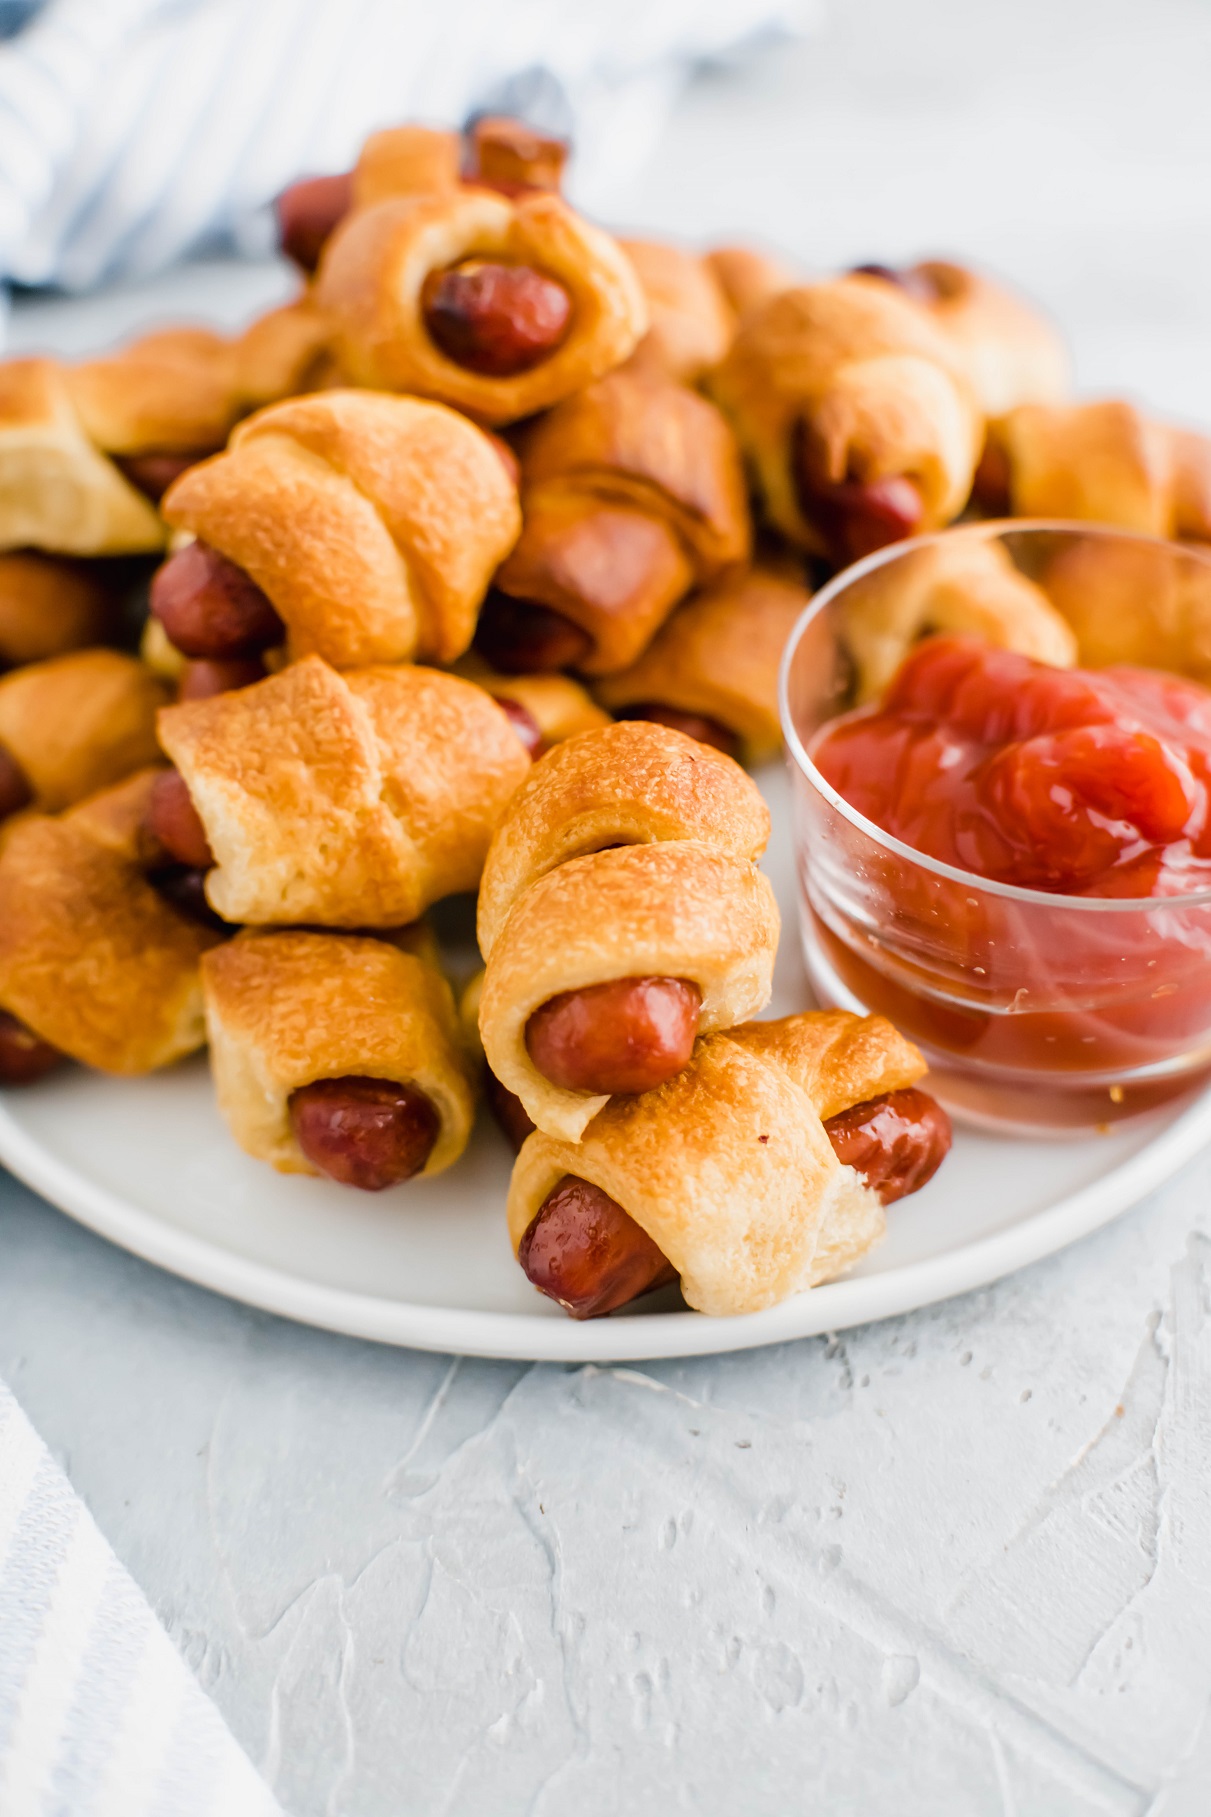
(960, 1561)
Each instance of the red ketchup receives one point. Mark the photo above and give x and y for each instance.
(1071, 782)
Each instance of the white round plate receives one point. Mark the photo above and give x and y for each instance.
(149, 1164)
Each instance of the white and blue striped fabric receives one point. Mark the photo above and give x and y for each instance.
(99, 1715)
(133, 132)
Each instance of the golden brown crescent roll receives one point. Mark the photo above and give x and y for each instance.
(620, 912)
(77, 723)
(712, 669)
(1103, 462)
(728, 1167)
(49, 606)
(406, 161)
(288, 1010)
(1012, 354)
(1133, 602)
(282, 354)
(170, 392)
(855, 414)
(372, 523)
(558, 706)
(748, 277)
(692, 322)
(500, 306)
(344, 800)
(964, 583)
(93, 959)
(58, 491)
(632, 492)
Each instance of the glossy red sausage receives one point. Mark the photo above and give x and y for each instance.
(855, 519)
(15, 792)
(519, 637)
(992, 486)
(896, 1142)
(153, 474)
(694, 725)
(24, 1056)
(307, 212)
(628, 1035)
(174, 822)
(582, 1249)
(202, 680)
(495, 319)
(210, 609)
(514, 1119)
(523, 723)
(369, 1133)
(508, 155)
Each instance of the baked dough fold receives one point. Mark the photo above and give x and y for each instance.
(344, 800)
(373, 523)
(58, 490)
(285, 1009)
(374, 269)
(78, 723)
(728, 1167)
(92, 957)
(632, 492)
(967, 584)
(855, 370)
(718, 656)
(1105, 462)
(676, 894)
(692, 321)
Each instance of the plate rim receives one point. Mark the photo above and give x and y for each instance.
(539, 1338)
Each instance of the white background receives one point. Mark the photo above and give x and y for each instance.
(959, 1562)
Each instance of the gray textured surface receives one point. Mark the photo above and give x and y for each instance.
(958, 1562)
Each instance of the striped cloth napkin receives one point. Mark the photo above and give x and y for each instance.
(133, 132)
(98, 1712)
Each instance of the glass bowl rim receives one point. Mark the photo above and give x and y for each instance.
(986, 530)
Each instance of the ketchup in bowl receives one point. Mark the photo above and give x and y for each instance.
(1077, 782)
(1013, 863)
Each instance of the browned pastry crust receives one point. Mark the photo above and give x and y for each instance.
(349, 800)
(282, 354)
(631, 784)
(1107, 463)
(1134, 602)
(559, 706)
(877, 384)
(57, 490)
(748, 277)
(373, 523)
(1012, 354)
(172, 391)
(728, 1167)
(92, 958)
(49, 606)
(965, 584)
(78, 723)
(632, 492)
(406, 161)
(628, 852)
(692, 322)
(718, 657)
(375, 265)
(286, 1009)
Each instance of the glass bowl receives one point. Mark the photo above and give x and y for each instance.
(1044, 1012)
